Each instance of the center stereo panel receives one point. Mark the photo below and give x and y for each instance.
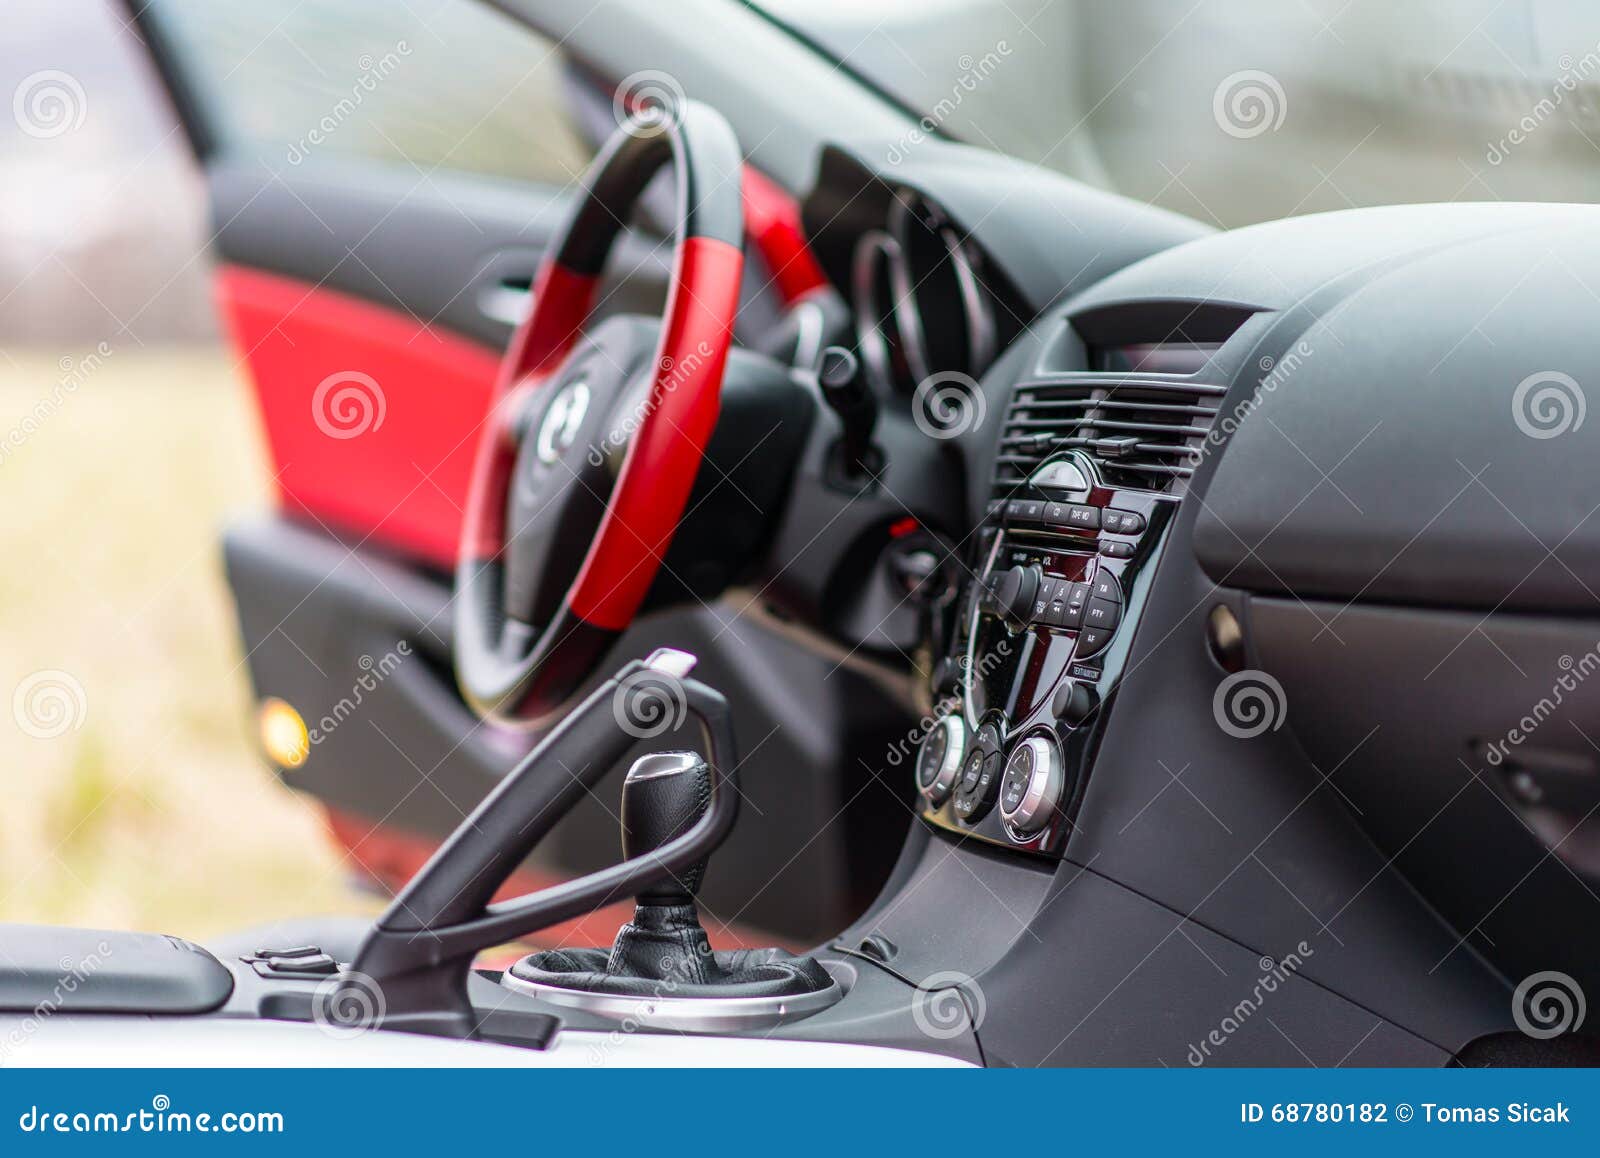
(1042, 641)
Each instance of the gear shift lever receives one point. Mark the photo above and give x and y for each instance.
(663, 796)
(661, 969)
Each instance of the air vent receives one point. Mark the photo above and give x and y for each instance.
(1141, 432)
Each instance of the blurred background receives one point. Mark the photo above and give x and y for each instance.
(127, 435)
(118, 471)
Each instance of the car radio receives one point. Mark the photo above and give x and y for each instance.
(1042, 639)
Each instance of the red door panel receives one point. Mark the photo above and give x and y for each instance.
(370, 415)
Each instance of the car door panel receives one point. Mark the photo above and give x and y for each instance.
(369, 415)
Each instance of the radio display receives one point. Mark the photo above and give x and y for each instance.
(1154, 357)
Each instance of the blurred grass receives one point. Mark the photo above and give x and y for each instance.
(155, 812)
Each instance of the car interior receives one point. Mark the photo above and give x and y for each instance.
(824, 592)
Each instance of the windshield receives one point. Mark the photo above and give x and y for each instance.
(1248, 110)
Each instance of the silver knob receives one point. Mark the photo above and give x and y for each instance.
(1031, 788)
(939, 759)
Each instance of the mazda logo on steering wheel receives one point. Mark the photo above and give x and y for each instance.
(561, 423)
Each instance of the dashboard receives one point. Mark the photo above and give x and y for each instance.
(1266, 542)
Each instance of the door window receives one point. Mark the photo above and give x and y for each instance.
(437, 83)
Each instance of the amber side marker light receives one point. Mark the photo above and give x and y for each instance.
(283, 733)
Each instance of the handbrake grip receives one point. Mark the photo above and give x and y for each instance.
(420, 950)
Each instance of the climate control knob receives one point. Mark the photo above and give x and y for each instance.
(939, 759)
(1031, 788)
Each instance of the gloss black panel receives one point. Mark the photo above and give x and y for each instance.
(1053, 669)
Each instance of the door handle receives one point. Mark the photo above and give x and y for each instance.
(507, 299)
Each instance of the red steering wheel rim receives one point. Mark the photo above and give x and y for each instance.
(517, 672)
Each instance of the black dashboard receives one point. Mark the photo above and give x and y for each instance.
(1269, 541)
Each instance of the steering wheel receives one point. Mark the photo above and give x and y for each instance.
(595, 433)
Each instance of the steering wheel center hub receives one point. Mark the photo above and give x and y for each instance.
(563, 418)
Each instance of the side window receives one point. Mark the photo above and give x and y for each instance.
(436, 83)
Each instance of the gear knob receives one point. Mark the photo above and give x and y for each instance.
(663, 796)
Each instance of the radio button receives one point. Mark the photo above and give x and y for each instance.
(1083, 518)
(1073, 702)
(1122, 522)
(1061, 475)
(1019, 773)
(1092, 640)
(1026, 511)
(1102, 613)
(1077, 598)
(980, 776)
(1049, 590)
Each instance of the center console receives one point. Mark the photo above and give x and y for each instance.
(1090, 469)
(1041, 644)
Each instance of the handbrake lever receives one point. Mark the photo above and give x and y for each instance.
(420, 950)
